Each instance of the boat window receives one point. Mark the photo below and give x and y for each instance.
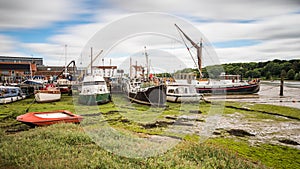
(5, 91)
(13, 91)
(171, 91)
(185, 90)
(94, 83)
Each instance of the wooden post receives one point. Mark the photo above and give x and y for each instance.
(281, 87)
(282, 75)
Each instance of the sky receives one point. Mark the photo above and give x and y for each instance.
(238, 30)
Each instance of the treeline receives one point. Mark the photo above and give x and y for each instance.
(269, 70)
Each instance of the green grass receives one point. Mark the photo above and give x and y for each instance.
(70, 146)
(67, 146)
(261, 108)
(274, 156)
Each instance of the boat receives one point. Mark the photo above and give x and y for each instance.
(64, 85)
(147, 89)
(180, 93)
(10, 94)
(94, 91)
(48, 94)
(226, 84)
(146, 93)
(48, 118)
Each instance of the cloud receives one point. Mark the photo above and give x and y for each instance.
(213, 9)
(16, 14)
(273, 24)
(6, 43)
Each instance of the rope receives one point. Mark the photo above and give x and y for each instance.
(188, 49)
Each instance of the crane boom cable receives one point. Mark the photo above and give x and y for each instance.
(187, 48)
(194, 45)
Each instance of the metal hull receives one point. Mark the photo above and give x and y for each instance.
(93, 99)
(155, 96)
(240, 89)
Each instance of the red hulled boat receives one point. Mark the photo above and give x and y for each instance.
(48, 118)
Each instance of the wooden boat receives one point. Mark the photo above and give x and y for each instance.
(48, 94)
(179, 93)
(94, 91)
(228, 86)
(48, 118)
(10, 94)
(224, 86)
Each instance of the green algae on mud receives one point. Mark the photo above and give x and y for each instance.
(27, 149)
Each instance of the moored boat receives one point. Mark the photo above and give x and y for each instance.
(48, 94)
(48, 118)
(179, 93)
(10, 94)
(64, 85)
(145, 93)
(230, 84)
(94, 91)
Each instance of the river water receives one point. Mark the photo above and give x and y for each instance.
(269, 94)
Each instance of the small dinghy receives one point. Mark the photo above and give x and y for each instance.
(48, 118)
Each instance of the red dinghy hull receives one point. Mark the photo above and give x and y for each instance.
(48, 118)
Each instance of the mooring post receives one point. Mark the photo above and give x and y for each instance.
(281, 87)
(282, 75)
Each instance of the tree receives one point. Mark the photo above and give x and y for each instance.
(286, 66)
(297, 76)
(268, 75)
(291, 74)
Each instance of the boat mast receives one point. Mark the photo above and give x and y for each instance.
(198, 48)
(91, 60)
(130, 68)
(147, 63)
(66, 70)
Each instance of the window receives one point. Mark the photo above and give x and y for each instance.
(171, 91)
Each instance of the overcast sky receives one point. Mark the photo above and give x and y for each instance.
(239, 30)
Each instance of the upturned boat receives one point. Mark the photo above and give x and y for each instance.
(48, 118)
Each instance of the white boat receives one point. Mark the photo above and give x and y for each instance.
(179, 93)
(10, 94)
(49, 94)
(94, 91)
(64, 85)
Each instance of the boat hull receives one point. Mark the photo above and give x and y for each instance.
(10, 94)
(48, 118)
(11, 99)
(93, 99)
(154, 96)
(223, 90)
(183, 98)
(43, 97)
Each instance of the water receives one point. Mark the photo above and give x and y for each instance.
(269, 94)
